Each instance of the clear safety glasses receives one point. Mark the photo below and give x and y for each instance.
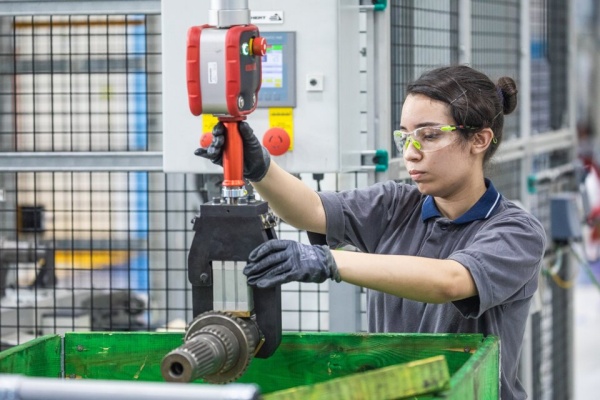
(427, 138)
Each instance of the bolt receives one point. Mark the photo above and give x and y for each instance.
(80, 347)
(240, 102)
(204, 277)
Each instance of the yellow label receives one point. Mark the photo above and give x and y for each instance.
(208, 122)
(283, 117)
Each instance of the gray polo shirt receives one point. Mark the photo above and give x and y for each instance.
(498, 242)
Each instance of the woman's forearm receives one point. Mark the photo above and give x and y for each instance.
(417, 278)
(292, 200)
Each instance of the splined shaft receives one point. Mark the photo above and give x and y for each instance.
(218, 347)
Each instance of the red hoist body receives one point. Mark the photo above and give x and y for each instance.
(223, 78)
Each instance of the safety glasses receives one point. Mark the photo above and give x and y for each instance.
(427, 138)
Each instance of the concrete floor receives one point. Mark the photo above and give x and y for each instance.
(587, 339)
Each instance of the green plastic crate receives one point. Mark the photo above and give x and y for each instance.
(315, 365)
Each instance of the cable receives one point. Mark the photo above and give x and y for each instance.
(553, 272)
(586, 265)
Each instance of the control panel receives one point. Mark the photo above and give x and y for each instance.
(278, 71)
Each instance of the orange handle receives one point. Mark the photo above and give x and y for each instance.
(233, 156)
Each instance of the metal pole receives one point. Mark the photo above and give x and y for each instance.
(371, 46)
(526, 367)
(464, 32)
(24, 388)
(344, 307)
(525, 98)
(53, 7)
(81, 161)
(382, 84)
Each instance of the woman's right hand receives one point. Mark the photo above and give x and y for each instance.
(256, 157)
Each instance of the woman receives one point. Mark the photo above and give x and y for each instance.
(448, 254)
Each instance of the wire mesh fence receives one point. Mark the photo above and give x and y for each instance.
(417, 44)
(81, 83)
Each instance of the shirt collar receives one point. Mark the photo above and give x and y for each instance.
(481, 210)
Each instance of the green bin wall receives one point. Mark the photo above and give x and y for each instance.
(301, 359)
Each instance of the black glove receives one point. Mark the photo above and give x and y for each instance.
(256, 157)
(280, 261)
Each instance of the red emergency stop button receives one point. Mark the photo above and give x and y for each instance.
(206, 140)
(277, 141)
(259, 46)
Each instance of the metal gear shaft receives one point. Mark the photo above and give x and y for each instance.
(218, 348)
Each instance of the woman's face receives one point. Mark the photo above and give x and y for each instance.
(443, 172)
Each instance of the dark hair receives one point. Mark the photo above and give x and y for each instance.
(473, 98)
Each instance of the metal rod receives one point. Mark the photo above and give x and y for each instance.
(226, 13)
(81, 161)
(464, 32)
(525, 104)
(23, 388)
(21, 7)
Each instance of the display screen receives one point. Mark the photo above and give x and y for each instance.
(278, 87)
(272, 67)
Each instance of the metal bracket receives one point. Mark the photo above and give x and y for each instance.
(377, 5)
(269, 220)
(374, 160)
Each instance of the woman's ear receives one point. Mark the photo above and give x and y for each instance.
(482, 140)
